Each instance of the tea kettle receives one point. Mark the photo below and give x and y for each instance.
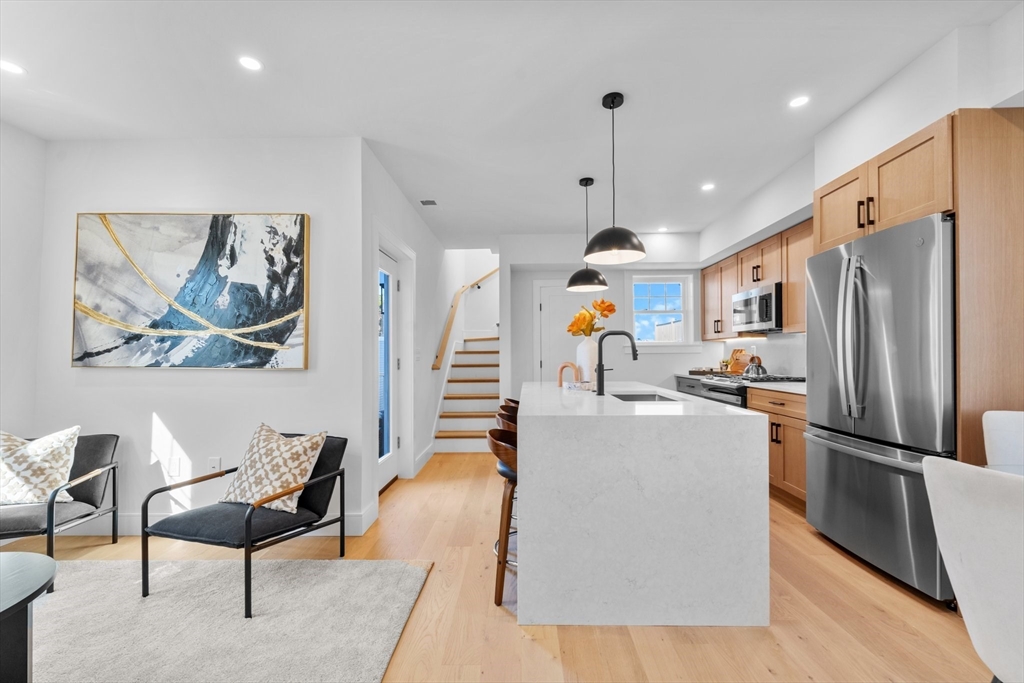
(754, 367)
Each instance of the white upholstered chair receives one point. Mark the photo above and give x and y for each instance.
(979, 522)
(1004, 440)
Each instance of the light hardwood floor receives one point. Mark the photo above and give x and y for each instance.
(832, 619)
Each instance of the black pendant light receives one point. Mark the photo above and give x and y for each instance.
(614, 245)
(587, 279)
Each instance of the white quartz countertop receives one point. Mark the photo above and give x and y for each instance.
(547, 398)
(786, 387)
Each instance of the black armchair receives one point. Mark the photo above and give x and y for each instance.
(91, 469)
(253, 527)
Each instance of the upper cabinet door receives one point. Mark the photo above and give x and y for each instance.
(770, 263)
(839, 210)
(730, 285)
(747, 264)
(797, 246)
(912, 179)
(712, 302)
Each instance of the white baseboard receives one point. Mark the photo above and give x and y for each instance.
(130, 524)
(423, 458)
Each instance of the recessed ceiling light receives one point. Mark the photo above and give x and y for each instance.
(799, 101)
(707, 187)
(11, 67)
(663, 229)
(250, 63)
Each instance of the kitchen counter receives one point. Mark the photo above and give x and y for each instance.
(787, 387)
(640, 513)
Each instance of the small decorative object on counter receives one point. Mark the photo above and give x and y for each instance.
(575, 372)
(724, 365)
(585, 324)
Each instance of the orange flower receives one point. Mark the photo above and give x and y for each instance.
(581, 323)
(604, 308)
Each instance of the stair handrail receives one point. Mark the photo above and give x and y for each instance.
(451, 318)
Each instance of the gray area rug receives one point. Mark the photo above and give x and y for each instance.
(313, 620)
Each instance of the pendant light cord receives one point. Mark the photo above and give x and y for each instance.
(613, 168)
(586, 194)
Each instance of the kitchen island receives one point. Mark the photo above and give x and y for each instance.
(640, 512)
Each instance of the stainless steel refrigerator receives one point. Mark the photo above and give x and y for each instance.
(880, 394)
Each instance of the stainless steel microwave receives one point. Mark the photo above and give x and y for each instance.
(758, 310)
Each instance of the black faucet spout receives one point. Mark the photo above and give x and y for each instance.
(600, 354)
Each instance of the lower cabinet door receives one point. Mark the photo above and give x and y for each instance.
(790, 434)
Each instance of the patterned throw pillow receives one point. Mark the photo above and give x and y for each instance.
(30, 470)
(271, 464)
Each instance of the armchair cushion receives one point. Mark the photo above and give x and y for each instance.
(92, 452)
(223, 524)
(30, 470)
(28, 519)
(273, 463)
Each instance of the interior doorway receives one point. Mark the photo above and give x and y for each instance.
(554, 308)
(388, 329)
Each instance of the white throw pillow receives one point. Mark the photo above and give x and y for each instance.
(30, 470)
(274, 463)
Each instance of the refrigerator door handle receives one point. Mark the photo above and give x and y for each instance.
(844, 274)
(849, 349)
(865, 455)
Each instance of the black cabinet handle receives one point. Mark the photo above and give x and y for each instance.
(871, 221)
(757, 273)
(771, 432)
(777, 403)
(860, 214)
(775, 433)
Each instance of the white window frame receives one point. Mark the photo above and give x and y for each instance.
(691, 311)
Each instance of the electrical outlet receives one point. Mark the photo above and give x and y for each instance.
(214, 465)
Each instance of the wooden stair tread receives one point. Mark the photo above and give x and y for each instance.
(466, 415)
(472, 339)
(466, 397)
(474, 365)
(461, 434)
(472, 380)
(476, 352)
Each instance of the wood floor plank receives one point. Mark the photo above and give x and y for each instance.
(834, 618)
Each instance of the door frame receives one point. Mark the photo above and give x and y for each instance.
(538, 285)
(404, 384)
(387, 466)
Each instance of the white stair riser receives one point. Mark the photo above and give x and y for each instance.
(460, 446)
(471, 388)
(471, 405)
(467, 423)
(475, 373)
(491, 345)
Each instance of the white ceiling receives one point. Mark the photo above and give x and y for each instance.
(492, 109)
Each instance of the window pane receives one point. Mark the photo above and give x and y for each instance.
(641, 290)
(674, 289)
(640, 305)
(650, 327)
(673, 304)
(657, 289)
(658, 304)
(643, 328)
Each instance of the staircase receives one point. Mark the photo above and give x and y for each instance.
(471, 398)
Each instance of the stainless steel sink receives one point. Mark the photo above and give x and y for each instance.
(647, 398)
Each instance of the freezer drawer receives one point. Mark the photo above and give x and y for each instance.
(871, 500)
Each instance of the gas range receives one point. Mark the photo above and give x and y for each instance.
(732, 389)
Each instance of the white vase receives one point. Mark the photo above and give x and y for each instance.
(586, 359)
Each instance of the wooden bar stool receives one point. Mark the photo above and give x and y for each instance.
(507, 421)
(509, 409)
(504, 446)
(511, 402)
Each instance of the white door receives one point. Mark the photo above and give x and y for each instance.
(389, 365)
(557, 308)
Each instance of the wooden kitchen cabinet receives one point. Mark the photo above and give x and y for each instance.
(718, 284)
(796, 245)
(912, 179)
(787, 454)
(839, 208)
(760, 265)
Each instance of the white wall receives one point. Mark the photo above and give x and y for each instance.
(782, 203)
(388, 213)
(209, 412)
(481, 314)
(22, 182)
(974, 66)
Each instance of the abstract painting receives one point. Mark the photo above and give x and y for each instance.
(191, 290)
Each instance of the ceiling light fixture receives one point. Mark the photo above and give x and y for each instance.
(663, 229)
(799, 101)
(614, 245)
(587, 279)
(707, 187)
(250, 63)
(11, 67)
